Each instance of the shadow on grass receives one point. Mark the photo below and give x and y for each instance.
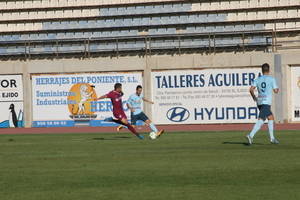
(113, 138)
(242, 143)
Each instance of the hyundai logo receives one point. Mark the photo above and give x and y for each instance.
(178, 114)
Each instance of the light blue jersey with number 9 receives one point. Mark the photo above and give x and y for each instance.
(265, 85)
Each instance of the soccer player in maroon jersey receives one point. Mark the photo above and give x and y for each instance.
(116, 99)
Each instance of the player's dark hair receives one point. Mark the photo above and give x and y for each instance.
(265, 68)
(118, 85)
(139, 87)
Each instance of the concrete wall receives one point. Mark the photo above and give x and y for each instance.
(282, 61)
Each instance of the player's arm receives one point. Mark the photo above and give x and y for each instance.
(148, 101)
(129, 105)
(251, 90)
(275, 87)
(102, 97)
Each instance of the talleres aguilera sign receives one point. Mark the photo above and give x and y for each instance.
(204, 96)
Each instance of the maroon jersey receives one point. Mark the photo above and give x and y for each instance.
(116, 100)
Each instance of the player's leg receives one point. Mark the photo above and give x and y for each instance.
(126, 123)
(133, 122)
(257, 126)
(271, 129)
(145, 118)
(120, 127)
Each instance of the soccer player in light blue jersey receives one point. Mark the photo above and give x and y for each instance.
(265, 85)
(134, 103)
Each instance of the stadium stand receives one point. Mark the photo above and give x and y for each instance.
(30, 28)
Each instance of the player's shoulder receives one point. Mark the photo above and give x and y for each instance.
(111, 92)
(132, 96)
(270, 78)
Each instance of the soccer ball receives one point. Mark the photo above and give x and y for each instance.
(152, 135)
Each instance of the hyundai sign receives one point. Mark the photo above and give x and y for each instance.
(204, 96)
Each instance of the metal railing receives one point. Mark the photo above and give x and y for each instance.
(27, 49)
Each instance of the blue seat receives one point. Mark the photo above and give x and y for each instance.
(113, 11)
(162, 30)
(64, 48)
(64, 24)
(83, 24)
(200, 29)
(239, 27)
(155, 21)
(221, 17)
(73, 24)
(42, 36)
(191, 29)
(209, 29)
(51, 36)
(236, 40)
(103, 11)
(37, 49)
(99, 23)
(203, 18)
(177, 7)
(183, 19)
(249, 27)
(118, 22)
(259, 40)
(219, 29)
(186, 7)
(15, 37)
(140, 9)
(46, 25)
(55, 25)
(136, 22)
(2, 50)
(133, 32)
(167, 8)
(171, 30)
(174, 19)
(49, 49)
(130, 10)
(122, 11)
(127, 22)
(96, 34)
(77, 47)
(94, 47)
(70, 35)
(60, 36)
(145, 21)
(212, 18)
(186, 42)
(193, 19)
(259, 27)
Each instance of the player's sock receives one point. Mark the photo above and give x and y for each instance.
(134, 131)
(153, 127)
(271, 129)
(256, 128)
(129, 127)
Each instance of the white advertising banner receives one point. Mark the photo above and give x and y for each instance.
(67, 99)
(295, 94)
(11, 101)
(204, 96)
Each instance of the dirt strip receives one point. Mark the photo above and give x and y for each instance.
(168, 128)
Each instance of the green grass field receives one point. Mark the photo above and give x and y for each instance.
(185, 166)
